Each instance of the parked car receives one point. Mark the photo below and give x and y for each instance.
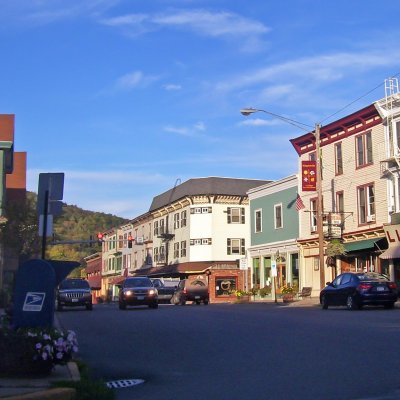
(355, 290)
(138, 291)
(165, 292)
(191, 290)
(74, 292)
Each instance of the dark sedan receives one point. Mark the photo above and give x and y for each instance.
(354, 290)
(137, 291)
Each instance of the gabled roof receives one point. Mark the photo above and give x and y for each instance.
(206, 186)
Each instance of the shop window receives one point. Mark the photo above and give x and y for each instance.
(224, 286)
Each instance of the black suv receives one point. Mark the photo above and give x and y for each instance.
(138, 291)
(74, 292)
(191, 290)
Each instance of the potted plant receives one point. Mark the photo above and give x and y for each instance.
(242, 296)
(288, 293)
(265, 291)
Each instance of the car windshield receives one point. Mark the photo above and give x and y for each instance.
(74, 284)
(371, 276)
(137, 282)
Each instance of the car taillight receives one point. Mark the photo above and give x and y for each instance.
(392, 285)
(364, 286)
(184, 291)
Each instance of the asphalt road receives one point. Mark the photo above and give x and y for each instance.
(243, 351)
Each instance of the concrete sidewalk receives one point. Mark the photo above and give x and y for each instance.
(41, 388)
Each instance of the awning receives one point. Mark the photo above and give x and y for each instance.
(117, 280)
(390, 253)
(95, 282)
(360, 245)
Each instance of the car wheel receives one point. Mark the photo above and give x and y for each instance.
(351, 303)
(205, 302)
(389, 306)
(89, 307)
(122, 305)
(324, 302)
(198, 302)
(182, 301)
(153, 305)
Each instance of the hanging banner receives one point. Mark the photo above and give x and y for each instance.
(309, 176)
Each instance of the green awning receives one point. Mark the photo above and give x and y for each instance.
(360, 245)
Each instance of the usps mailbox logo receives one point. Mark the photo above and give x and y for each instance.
(34, 301)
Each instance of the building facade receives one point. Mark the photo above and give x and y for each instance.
(273, 254)
(201, 227)
(354, 196)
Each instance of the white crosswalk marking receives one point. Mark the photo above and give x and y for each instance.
(124, 383)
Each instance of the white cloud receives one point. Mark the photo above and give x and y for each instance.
(316, 70)
(260, 122)
(193, 131)
(45, 12)
(203, 22)
(135, 79)
(172, 86)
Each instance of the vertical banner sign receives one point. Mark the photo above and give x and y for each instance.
(309, 176)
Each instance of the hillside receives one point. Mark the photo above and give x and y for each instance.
(77, 224)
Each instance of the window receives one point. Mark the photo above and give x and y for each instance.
(340, 206)
(162, 229)
(313, 215)
(225, 286)
(176, 221)
(278, 216)
(176, 250)
(236, 246)
(236, 215)
(155, 228)
(366, 204)
(338, 159)
(183, 218)
(364, 149)
(258, 221)
(162, 254)
(155, 254)
(120, 241)
(201, 210)
(183, 248)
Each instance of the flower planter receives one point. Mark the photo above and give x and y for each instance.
(287, 298)
(243, 299)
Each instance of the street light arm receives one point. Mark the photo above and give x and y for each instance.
(248, 111)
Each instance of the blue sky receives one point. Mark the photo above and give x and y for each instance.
(127, 97)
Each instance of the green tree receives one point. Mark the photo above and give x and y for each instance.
(20, 233)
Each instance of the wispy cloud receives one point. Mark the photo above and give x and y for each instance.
(316, 70)
(202, 22)
(135, 79)
(46, 12)
(193, 131)
(172, 87)
(260, 122)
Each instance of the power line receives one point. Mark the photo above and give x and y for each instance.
(354, 101)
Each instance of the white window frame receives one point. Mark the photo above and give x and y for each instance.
(258, 229)
(366, 203)
(276, 218)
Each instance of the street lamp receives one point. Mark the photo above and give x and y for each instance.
(248, 111)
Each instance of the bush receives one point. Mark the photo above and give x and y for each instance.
(34, 351)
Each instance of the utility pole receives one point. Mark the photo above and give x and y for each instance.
(320, 211)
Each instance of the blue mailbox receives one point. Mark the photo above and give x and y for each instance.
(34, 295)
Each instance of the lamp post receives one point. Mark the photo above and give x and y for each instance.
(248, 111)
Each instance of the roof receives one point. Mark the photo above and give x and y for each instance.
(206, 186)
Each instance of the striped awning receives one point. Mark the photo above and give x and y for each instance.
(390, 253)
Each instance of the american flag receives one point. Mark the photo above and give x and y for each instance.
(299, 203)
